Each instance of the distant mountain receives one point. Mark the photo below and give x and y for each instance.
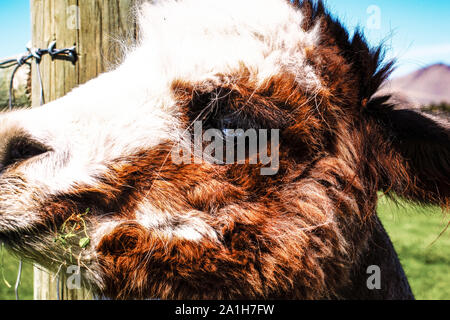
(430, 85)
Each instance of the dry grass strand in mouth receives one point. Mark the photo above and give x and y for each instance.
(73, 227)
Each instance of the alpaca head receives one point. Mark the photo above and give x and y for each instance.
(96, 172)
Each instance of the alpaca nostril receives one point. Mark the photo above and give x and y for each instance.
(21, 149)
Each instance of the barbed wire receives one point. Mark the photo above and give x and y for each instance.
(68, 54)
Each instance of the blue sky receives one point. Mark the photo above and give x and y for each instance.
(15, 26)
(416, 32)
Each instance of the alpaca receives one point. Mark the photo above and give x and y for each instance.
(89, 179)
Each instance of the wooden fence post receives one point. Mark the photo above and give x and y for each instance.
(94, 26)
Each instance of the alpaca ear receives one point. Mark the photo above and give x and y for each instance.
(415, 155)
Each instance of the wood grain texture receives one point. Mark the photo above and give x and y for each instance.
(97, 28)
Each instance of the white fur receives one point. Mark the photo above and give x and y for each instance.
(189, 225)
(205, 38)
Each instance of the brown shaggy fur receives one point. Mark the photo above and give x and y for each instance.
(309, 232)
(304, 233)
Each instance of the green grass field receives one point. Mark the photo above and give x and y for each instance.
(413, 230)
(424, 254)
(10, 267)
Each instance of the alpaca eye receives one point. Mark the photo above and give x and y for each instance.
(232, 133)
(229, 127)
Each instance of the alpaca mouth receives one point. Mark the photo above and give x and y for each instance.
(24, 243)
(11, 238)
(7, 238)
(16, 229)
